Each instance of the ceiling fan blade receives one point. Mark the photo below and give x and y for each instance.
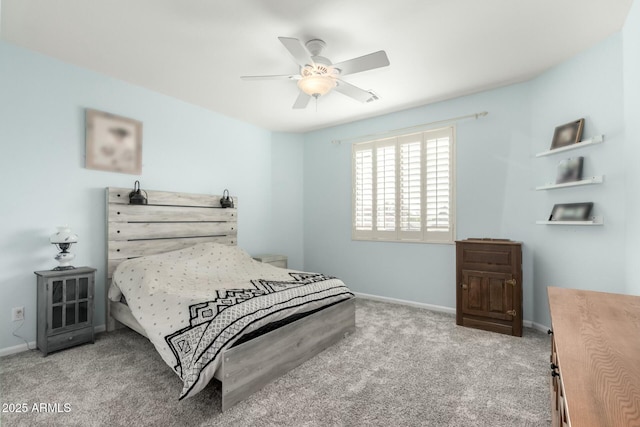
(302, 101)
(363, 63)
(353, 91)
(297, 50)
(273, 77)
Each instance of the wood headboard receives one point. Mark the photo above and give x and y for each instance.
(170, 221)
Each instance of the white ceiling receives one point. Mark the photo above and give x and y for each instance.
(195, 50)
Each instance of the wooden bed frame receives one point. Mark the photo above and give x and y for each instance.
(173, 221)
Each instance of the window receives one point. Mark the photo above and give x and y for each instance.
(403, 188)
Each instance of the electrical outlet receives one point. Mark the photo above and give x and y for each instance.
(17, 313)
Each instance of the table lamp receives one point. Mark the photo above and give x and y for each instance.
(63, 240)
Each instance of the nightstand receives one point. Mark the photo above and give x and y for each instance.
(275, 260)
(65, 308)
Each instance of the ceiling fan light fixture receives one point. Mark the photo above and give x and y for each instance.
(319, 76)
(316, 85)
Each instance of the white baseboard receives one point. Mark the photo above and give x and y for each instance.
(431, 307)
(540, 327)
(7, 351)
(439, 308)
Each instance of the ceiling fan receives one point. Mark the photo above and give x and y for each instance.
(318, 76)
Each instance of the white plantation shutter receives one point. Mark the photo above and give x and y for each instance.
(403, 188)
(411, 215)
(438, 180)
(386, 187)
(363, 191)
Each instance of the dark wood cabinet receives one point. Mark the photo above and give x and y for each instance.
(489, 285)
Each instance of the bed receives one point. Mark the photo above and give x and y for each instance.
(141, 237)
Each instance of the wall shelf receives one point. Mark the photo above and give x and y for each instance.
(594, 140)
(596, 220)
(599, 179)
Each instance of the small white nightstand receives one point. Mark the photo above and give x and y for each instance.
(275, 260)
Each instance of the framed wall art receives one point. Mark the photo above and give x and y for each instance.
(571, 211)
(113, 143)
(567, 134)
(570, 170)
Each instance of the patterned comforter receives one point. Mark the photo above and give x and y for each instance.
(196, 302)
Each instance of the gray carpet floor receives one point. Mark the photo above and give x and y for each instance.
(404, 366)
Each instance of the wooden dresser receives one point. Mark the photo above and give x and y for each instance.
(489, 285)
(595, 358)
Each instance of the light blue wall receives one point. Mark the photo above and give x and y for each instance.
(492, 183)
(496, 174)
(590, 86)
(45, 184)
(287, 188)
(631, 39)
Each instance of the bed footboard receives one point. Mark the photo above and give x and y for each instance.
(250, 366)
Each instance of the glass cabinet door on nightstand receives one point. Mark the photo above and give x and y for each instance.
(70, 302)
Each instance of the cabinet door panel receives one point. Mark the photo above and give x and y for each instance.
(496, 297)
(83, 312)
(475, 291)
(70, 315)
(84, 286)
(56, 293)
(501, 296)
(56, 317)
(71, 289)
(484, 256)
(486, 294)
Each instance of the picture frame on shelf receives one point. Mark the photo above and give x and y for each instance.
(113, 143)
(571, 211)
(570, 170)
(567, 134)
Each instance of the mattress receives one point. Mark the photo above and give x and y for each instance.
(196, 302)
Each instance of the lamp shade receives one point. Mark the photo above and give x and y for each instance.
(136, 197)
(63, 239)
(63, 235)
(316, 85)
